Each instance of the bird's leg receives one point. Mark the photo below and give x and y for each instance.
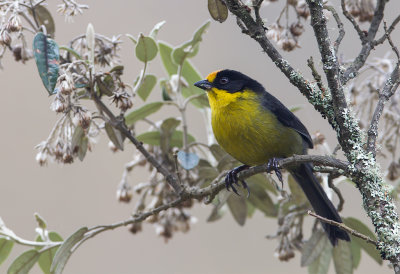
(231, 178)
(273, 165)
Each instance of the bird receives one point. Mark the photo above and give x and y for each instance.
(255, 128)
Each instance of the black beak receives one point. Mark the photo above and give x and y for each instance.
(204, 84)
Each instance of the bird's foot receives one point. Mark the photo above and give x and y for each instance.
(231, 179)
(273, 165)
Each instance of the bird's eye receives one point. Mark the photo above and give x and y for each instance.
(223, 80)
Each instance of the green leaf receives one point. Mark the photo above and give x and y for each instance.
(207, 172)
(132, 38)
(115, 136)
(217, 152)
(142, 112)
(46, 257)
(64, 252)
(47, 59)
(156, 28)
(190, 48)
(154, 137)
(41, 222)
(190, 74)
(90, 41)
(24, 262)
(43, 17)
(83, 148)
(264, 181)
(165, 53)
(356, 253)
(297, 194)
(261, 200)
(105, 86)
(167, 127)
(188, 160)
(321, 264)
(218, 10)
(238, 207)
(71, 51)
(5, 249)
(342, 258)
(147, 86)
(313, 247)
(362, 228)
(146, 48)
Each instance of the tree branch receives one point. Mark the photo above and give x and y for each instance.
(344, 227)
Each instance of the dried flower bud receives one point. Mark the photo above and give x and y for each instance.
(135, 228)
(41, 157)
(393, 171)
(297, 29)
(274, 32)
(67, 157)
(124, 194)
(287, 44)
(82, 117)
(285, 254)
(122, 100)
(318, 138)
(59, 104)
(112, 147)
(302, 9)
(13, 24)
(5, 38)
(292, 2)
(21, 53)
(59, 151)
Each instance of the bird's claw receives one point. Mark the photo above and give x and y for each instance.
(231, 179)
(273, 165)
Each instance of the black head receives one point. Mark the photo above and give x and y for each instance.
(230, 80)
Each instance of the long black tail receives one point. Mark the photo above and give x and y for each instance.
(319, 201)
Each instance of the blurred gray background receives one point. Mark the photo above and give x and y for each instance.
(83, 194)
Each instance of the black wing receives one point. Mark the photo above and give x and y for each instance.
(286, 117)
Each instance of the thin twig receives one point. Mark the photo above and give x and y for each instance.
(388, 32)
(315, 74)
(339, 23)
(343, 227)
(337, 191)
(361, 34)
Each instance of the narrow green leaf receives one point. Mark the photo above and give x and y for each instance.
(90, 41)
(132, 38)
(105, 86)
(188, 160)
(189, 73)
(24, 262)
(298, 196)
(207, 172)
(321, 264)
(167, 127)
(41, 222)
(83, 148)
(262, 201)
(43, 17)
(64, 252)
(165, 53)
(189, 49)
(356, 253)
(46, 257)
(156, 28)
(115, 136)
(153, 138)
(146, 48)
(250, 209)
(362, 228)
(47, 59)
(342, 258)
(5, 249)
(218, 10)
(71, 51)
(142, 112)
(238, 207)
(147, 85)
(262, 180)
(313, 247)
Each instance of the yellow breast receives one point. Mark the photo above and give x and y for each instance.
(248, 131)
